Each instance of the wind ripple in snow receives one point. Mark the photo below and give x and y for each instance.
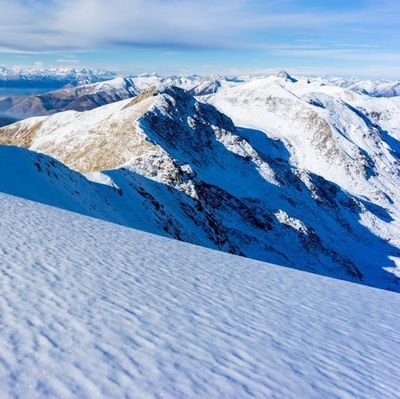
(90, 309)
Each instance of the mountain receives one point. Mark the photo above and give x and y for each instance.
(88, 96)
(374, 88)
(50, 77)
(194, 84)
(75, 89)
(92, 309)
(78, 98)
(347, 138)
(169, 164)
(285, 76)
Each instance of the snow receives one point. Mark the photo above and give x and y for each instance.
(90, 309)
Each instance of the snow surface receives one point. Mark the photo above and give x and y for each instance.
(94, 310)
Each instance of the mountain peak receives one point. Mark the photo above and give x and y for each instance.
(285, 75)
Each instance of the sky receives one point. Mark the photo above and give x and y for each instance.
(338, 37)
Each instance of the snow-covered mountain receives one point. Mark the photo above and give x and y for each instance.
(80, 98)
(88, 96)
(94, 310)
(195, 84)
(374, 88)
(81, 90)
(347, 138)
(315, 189)
(25, 76)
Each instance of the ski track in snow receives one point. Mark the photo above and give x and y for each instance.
(89, 309)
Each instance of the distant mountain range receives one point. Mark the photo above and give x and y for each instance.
(49, 78)
(374, 88)
(82, 97)
(89, 96)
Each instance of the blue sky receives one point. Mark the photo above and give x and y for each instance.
(353, 37)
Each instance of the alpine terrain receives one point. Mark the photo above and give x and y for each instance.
(290, 171)
(213, 227)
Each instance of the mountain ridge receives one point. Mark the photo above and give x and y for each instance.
(81, 94)
(189, 173)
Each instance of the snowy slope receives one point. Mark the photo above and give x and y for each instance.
(169, 164)
(93, 310)
(329, 131)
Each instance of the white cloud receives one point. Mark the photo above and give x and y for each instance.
(84, 24)
(66, 25)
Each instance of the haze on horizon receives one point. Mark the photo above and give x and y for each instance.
(358, 37)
